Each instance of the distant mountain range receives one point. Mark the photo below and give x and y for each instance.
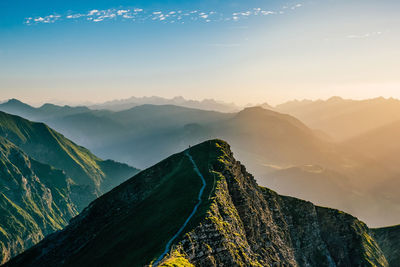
(206, 104)
(45, 180)
(282, 152)
(344, 119)
(202, 208)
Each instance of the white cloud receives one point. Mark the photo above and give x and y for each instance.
(296, 6)
(74, 16)
(46, 19)
(266, 12)
(93, 12)
(122, 12)
(363, 36)
(169, 16)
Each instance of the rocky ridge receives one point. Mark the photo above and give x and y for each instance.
(238, 224)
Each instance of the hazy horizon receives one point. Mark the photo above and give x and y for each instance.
(88, 102)
(235, 51)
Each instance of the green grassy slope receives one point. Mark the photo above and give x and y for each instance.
(148, 209)
(48, 146)
(34, 200)
(167, 200)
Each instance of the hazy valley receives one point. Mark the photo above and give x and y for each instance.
(284, 153)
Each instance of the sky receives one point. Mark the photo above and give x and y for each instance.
(249, 51)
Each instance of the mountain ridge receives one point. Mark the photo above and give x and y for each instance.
(45, 180)
(48, 146)
(205, 104)
(238, 223)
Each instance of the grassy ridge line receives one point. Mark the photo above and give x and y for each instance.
(168, 246)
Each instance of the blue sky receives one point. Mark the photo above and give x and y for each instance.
(241, 51)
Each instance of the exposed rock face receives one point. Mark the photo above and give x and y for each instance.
(252, 226)
(388, 239)
(238, 223)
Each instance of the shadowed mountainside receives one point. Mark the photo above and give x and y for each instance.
(237, 223)
(279, 149)
(388, 239)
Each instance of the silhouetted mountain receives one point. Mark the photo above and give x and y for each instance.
(274, 137)
(206, 104)
(45, 112)
(380, 144)
(202, 208)
(343, 119)
(264, 140)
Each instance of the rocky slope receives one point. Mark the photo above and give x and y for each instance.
(388, 239)
(34, 200)
(237, 224)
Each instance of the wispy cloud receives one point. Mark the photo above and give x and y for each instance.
(227, 45)
(364, 36)
(170, 16)
(46, 19)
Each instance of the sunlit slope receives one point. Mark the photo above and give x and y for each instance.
(341, 118)
(273, 137)
(34, 200)
(237, 224)
(381, 144)
(48, 146)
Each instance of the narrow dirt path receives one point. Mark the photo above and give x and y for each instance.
(168, 246)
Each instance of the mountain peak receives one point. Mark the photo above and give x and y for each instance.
(335, 99)
(256, 110)
(14, 101)
(203, 208)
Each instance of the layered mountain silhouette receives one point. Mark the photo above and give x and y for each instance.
(206, 104)
(280, 150)
(342, 118)
(46, 111)
(202, 208)
(45, 180)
